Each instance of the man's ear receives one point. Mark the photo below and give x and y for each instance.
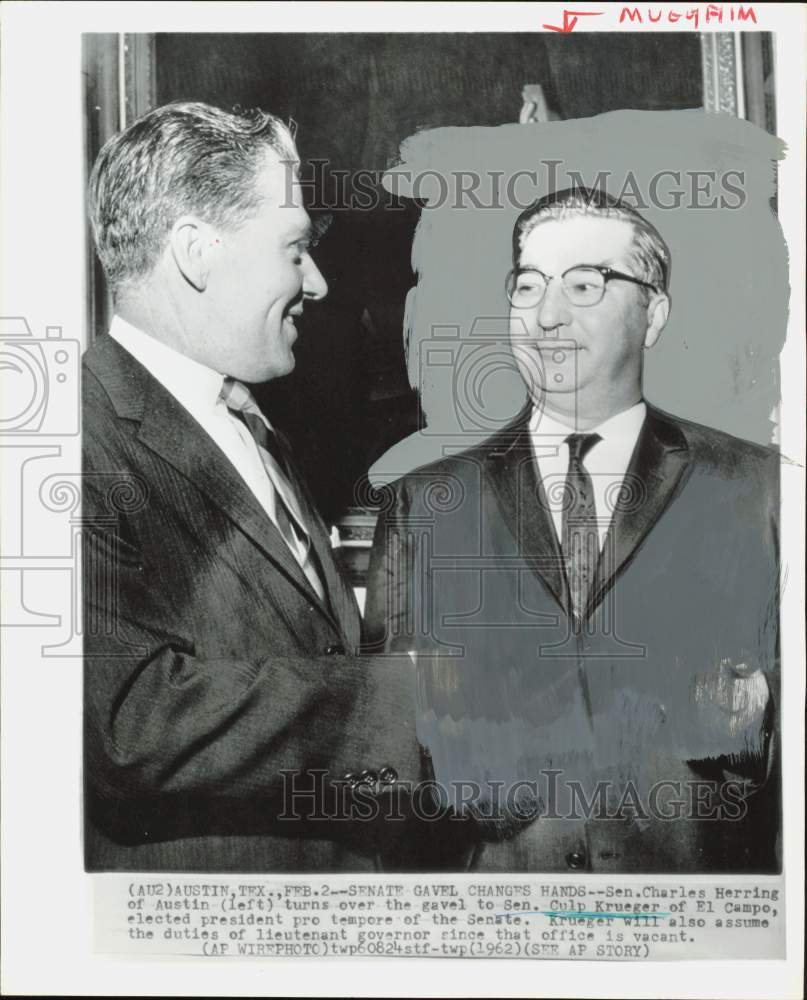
(658, 312)
(191, 243)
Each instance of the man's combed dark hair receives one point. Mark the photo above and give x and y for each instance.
(182, 158)
(650, 255)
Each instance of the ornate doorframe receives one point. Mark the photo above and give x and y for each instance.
(735, 78)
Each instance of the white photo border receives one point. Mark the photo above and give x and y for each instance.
(47, 898)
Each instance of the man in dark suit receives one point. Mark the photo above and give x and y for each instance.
(230, 724)
(591, 594)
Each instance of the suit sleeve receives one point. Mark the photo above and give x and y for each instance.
(394, 620)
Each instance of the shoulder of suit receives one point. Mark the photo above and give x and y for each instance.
(722, 452)
(112, 401)
(97, 405)
(464, 468)
(114, 381)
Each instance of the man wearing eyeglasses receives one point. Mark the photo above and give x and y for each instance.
(591, 594)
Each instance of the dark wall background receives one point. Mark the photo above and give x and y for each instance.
(355, 98)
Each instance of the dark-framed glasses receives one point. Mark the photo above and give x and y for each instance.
(583, 285)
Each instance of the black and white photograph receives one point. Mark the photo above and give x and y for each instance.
(407, 508)
(231, 710)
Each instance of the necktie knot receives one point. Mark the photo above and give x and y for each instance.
(237, 398)
(580, 445)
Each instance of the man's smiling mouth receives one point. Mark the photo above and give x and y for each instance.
(549, 346)
(291, 315)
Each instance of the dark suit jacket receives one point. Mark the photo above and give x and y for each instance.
(645, 741)
(211, 667)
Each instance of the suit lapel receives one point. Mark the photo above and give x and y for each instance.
(167, 429)
(512, 473)
(656, 470)
(657, 467)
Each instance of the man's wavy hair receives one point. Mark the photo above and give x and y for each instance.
(650, 255)
(181, 158)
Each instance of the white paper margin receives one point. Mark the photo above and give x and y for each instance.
(46, 905)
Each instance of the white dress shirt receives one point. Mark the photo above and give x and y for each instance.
(606, 462)
(198, 389)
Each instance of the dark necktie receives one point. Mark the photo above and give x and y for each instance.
(581, 544)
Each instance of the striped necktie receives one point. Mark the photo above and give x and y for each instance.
(288, 516)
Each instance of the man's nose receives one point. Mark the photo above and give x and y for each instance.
(553, 309)
(314, 284)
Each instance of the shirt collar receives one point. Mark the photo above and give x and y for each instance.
(194, 385)
(622, 427)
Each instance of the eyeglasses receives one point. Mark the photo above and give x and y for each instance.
(583, 285)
